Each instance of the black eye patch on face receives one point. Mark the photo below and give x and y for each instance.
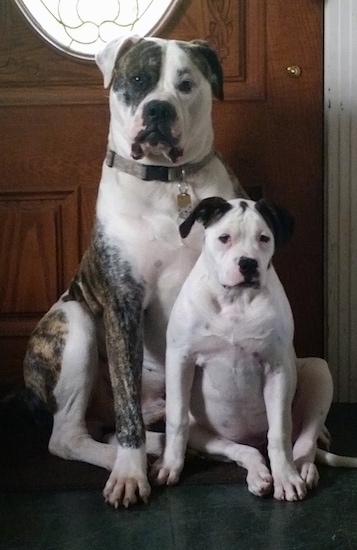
(138, 72)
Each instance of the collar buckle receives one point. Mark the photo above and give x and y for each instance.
(160, 173)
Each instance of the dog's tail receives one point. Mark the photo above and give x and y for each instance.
(329, 459)
(23, 405)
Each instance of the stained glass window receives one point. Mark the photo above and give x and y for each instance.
(82, 27)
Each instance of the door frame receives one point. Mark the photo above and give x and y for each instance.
(340, 109)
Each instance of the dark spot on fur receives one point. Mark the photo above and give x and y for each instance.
(206, 60)
(207, 212)
(105, 283)
(137, 72)
(123, 318)
(42, 364)
(279, 220)
(243, 205)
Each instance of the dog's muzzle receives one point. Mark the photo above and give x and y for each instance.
(248, 277)
(158, 119)
(249, 269)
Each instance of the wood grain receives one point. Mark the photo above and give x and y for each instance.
(54, 124)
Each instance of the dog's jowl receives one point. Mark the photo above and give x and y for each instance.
(115, 312)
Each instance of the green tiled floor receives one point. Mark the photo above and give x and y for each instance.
(204, 517)
(197, 517)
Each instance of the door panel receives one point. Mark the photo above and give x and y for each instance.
(54, 123)
(236, 29)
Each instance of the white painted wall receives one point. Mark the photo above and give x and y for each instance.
(341, 194)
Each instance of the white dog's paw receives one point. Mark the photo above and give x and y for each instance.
(259, 480)
(121, 490)
(309, 473)
(128, 479)
(289, 486)
(164, 472)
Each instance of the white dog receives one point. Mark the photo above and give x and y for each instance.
(233, 384)
(160, 162)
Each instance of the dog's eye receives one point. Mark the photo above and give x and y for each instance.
(185, 86)
(224, 238)
(138, 81)
(264, 238)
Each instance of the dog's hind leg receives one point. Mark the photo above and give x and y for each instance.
(259, 478)
(70, 438)
(310, 408)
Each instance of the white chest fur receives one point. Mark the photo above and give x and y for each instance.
(142, 219)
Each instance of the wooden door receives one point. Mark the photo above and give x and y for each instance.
(54, 123)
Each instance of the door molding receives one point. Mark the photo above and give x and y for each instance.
(341, 195)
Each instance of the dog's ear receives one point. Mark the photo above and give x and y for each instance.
(280, 221)
(207, 211)
(216, 73)
(107, 57)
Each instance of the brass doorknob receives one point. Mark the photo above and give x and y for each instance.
(294, 71)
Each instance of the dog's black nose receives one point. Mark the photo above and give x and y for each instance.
(247, 266)
(158, 111)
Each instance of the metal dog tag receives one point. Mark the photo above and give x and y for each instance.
(184, 203)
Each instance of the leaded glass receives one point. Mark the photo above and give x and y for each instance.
(82, 27)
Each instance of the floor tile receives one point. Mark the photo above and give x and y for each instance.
(192, 517)
(80, 520)
(228, 517)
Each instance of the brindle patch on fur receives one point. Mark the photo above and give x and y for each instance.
(105, 283)
(138, 72)
(86, 286)
(42, 364)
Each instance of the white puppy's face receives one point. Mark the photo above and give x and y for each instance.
(240, 239)
(239, 247)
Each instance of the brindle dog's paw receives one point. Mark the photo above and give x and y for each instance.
(128, 479)
(124, 490)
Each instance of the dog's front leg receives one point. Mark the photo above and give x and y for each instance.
(279, 390)
(124, 348)
(179, 378)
